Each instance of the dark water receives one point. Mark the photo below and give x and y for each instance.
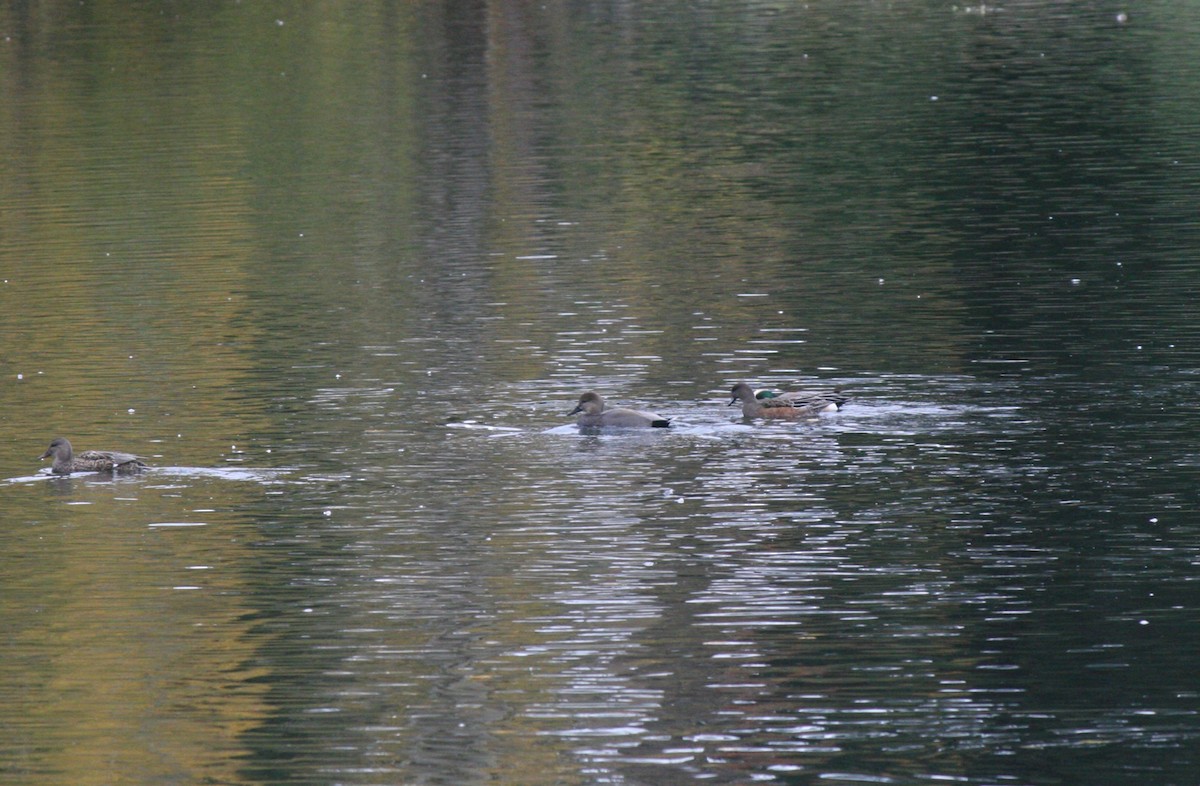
(339, 273)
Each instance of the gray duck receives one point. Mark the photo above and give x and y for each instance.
(592, 414)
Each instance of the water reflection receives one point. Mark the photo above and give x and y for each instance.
(155, 477)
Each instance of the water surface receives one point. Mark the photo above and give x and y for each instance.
(340, 273)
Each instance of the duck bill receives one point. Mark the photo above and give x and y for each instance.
(575, 411)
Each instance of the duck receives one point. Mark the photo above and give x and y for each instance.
(592, 414)
(792, 405)
(66, 461)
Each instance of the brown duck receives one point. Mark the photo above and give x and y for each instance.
(66, 461)
(798, 404)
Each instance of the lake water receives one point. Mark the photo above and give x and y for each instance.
(341, 271)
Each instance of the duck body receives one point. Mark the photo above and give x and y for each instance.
(796, 404)
(592, 414)
(67, 461)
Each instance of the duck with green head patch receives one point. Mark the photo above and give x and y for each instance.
(796, 404)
